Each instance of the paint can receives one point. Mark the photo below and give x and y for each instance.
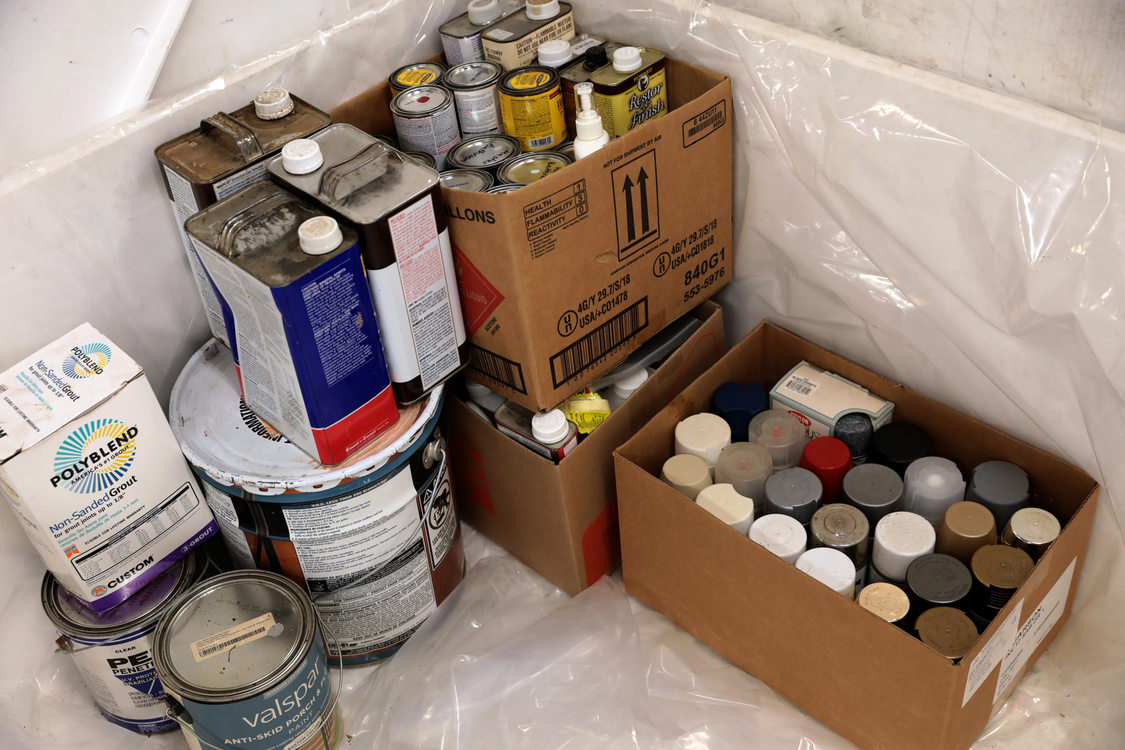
(475, 96)
(531, 107)
(460, 35)
(242, 660)
(395, 204)
(421, 157)
(415, 74)
(310, 356)
(225, 154)
(426, 120)
(113, 650)
(528, 168)
(475, 180)
(505, 188)
(375, 540)
(485, 152)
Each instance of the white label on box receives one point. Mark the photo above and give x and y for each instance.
(227, 519)
(1039, 624)
(821, 398)
(993, 651)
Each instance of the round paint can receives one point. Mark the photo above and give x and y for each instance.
(475, 96)
(505, 188)
(531, 106)
(528, 168)
(415, 74)
(421, 157)
(426, 121)
(486, 152)
(474, 180)
(375, 540)
(113, 650)
(243, 664)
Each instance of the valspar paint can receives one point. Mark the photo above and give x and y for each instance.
(375, 539)
(309, 351)
(242, 661)
(531, 107)
(475, 96)
(395, 204)
(415, 74)
(226, 153)
(113, 650)
(426, 120)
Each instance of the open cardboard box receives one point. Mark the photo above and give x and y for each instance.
(561, 519)
(870, 681)
(562, 278)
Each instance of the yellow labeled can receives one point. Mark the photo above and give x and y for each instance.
(415, 74)
(631, 91)
(531, 107)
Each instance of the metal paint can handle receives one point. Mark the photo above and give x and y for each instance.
(242, 136)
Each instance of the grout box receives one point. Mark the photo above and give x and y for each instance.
(90, 467)
(871, 682)
(561, 519)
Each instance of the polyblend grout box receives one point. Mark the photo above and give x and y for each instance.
(562, 278)
(90, 467)
(561, 519)
(870, 681)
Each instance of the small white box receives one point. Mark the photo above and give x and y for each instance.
(820, 398)
(90, 467)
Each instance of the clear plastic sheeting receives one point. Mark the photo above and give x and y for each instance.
(967, 244)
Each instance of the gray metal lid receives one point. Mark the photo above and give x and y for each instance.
(466, 179)
(840, 525)
(362, 179)
(471, 75)
(269, 618)
(528, 168)
(939, 579)
(483, 151)
(421, 100)
(873, 488)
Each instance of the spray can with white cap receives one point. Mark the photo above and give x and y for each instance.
(589, 134)
(631, 91)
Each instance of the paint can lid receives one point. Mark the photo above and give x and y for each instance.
(628, 384)
(301, 156)
(784, 536)
(886, 600)
(703, 434)
(483, 12)
(687, 473)
(1000, 486)
(965, 528)
(948, 631)
(841, 526)
(554, 52)
(781, 433)
(738, 403)
(273, 103)
(931, 485)
(831, 567)
(896, 444)
(542, 9)
(725, 503)
(901, 538)
(626, 59)
(319, 235)
(795, 492)
(939, 579)
(1032, 530)
(873, 488)
(235, 449)
(550, 427)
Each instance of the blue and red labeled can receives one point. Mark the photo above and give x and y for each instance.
(310, 355)
(243, 664)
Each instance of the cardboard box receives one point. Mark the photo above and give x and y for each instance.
(561, 519)
(871, 682)
(91, 469)
(561, 279)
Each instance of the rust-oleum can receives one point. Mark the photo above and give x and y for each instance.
(426, 120)
(243, 664)
(225, 154)
(415, 74)
(395, 204)
(531, 106)
(475, 95)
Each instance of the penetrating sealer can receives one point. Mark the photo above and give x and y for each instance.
(631, 91)
(475, 95)
(415, 74)
(395, 204)
(460, 35)
(225, 154)
(310, 355)
(375, 540)
(113, 650)
(242, 661)
(532, 108)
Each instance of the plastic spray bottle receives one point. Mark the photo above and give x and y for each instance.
(589, 133)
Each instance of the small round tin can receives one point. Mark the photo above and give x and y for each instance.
(528, 168)
(566, 149)
(505, 188)
(426, 121)
(475, 95)
(113, 650)
(531, 106)
(242, 660)
(475, 180)
(415, 74)
(426, 160)
(485, 152)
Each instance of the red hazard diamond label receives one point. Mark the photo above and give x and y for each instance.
(478, 297)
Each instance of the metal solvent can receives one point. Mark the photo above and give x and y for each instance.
(415, 74)
(475, 180)
(225, 154)
(460, 35)
(531, 107)
(475, 96)
(310, 355)
(395, 204)
(426, 120)
(486, 152)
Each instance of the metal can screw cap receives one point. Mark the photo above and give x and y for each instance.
(301, 156)
(319, 235)
(550, 427)
(273, 104)
(626, 59)
(542, 9)
(554, 52)
(483, 12)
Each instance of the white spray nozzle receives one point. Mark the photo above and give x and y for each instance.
(585, 93)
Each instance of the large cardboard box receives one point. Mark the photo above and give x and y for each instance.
(871, 682)
(561, 519)
(561, 279)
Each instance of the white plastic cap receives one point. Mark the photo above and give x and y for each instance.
(704, 435)
(626, 59)
(555, 52)
(930, 486)
(831, 567)
(901, 538)
(724, 503)
(629, 384)
(541, 9)
(746, 466)
(483, 12)
(687, 473)
(273, 104)
(781, 535)
(550, 427)
(301, 156)
(319, 235)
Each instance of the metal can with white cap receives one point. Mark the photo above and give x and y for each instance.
(310, 356)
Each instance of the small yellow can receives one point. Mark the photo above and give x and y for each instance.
(415, 74)
(531, 106)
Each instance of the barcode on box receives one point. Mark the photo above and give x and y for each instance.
(547, 140)
(500, 369)
(800, 385)
(574, 359)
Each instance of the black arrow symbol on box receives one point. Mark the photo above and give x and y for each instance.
(642, 183)
(627, 188)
